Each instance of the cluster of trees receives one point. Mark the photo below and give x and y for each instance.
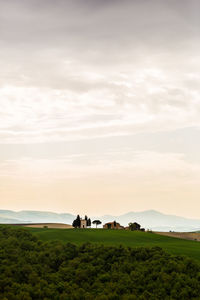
(77, 222)
(32, 269)
(135, 226)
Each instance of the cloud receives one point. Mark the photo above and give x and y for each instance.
(146, 102)
(71, 71)
(51, 44)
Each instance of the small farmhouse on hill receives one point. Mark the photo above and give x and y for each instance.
(113, 225)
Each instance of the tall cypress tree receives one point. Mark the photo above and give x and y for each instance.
(74, 224)
(89, 222)
(78, 219)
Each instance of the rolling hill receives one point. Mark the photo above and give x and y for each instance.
(120, 237)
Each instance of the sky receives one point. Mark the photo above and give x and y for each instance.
(100, 106)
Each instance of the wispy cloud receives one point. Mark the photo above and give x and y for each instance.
(120, 107)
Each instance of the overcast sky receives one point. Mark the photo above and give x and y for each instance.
(100, 106)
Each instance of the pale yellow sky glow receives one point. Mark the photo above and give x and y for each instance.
(100, 106)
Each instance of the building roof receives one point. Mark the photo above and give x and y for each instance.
(112, 223)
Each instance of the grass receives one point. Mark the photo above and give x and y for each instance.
(121, 237)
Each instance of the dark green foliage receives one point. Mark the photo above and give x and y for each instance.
(89, 222)
(32, 269)
(77, 222)
(127, 238)
(74, 223)
(135, 226)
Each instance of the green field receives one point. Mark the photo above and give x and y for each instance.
(121, 237)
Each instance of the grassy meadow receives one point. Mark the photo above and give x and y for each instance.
(120, 237)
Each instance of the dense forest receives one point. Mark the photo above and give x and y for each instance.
(32, 269)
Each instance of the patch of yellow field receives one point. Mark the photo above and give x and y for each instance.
(182, 235)
(49, 225)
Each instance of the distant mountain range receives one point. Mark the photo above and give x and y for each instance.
(31, 216)
(149, 219)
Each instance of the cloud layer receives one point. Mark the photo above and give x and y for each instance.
(74, 71)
